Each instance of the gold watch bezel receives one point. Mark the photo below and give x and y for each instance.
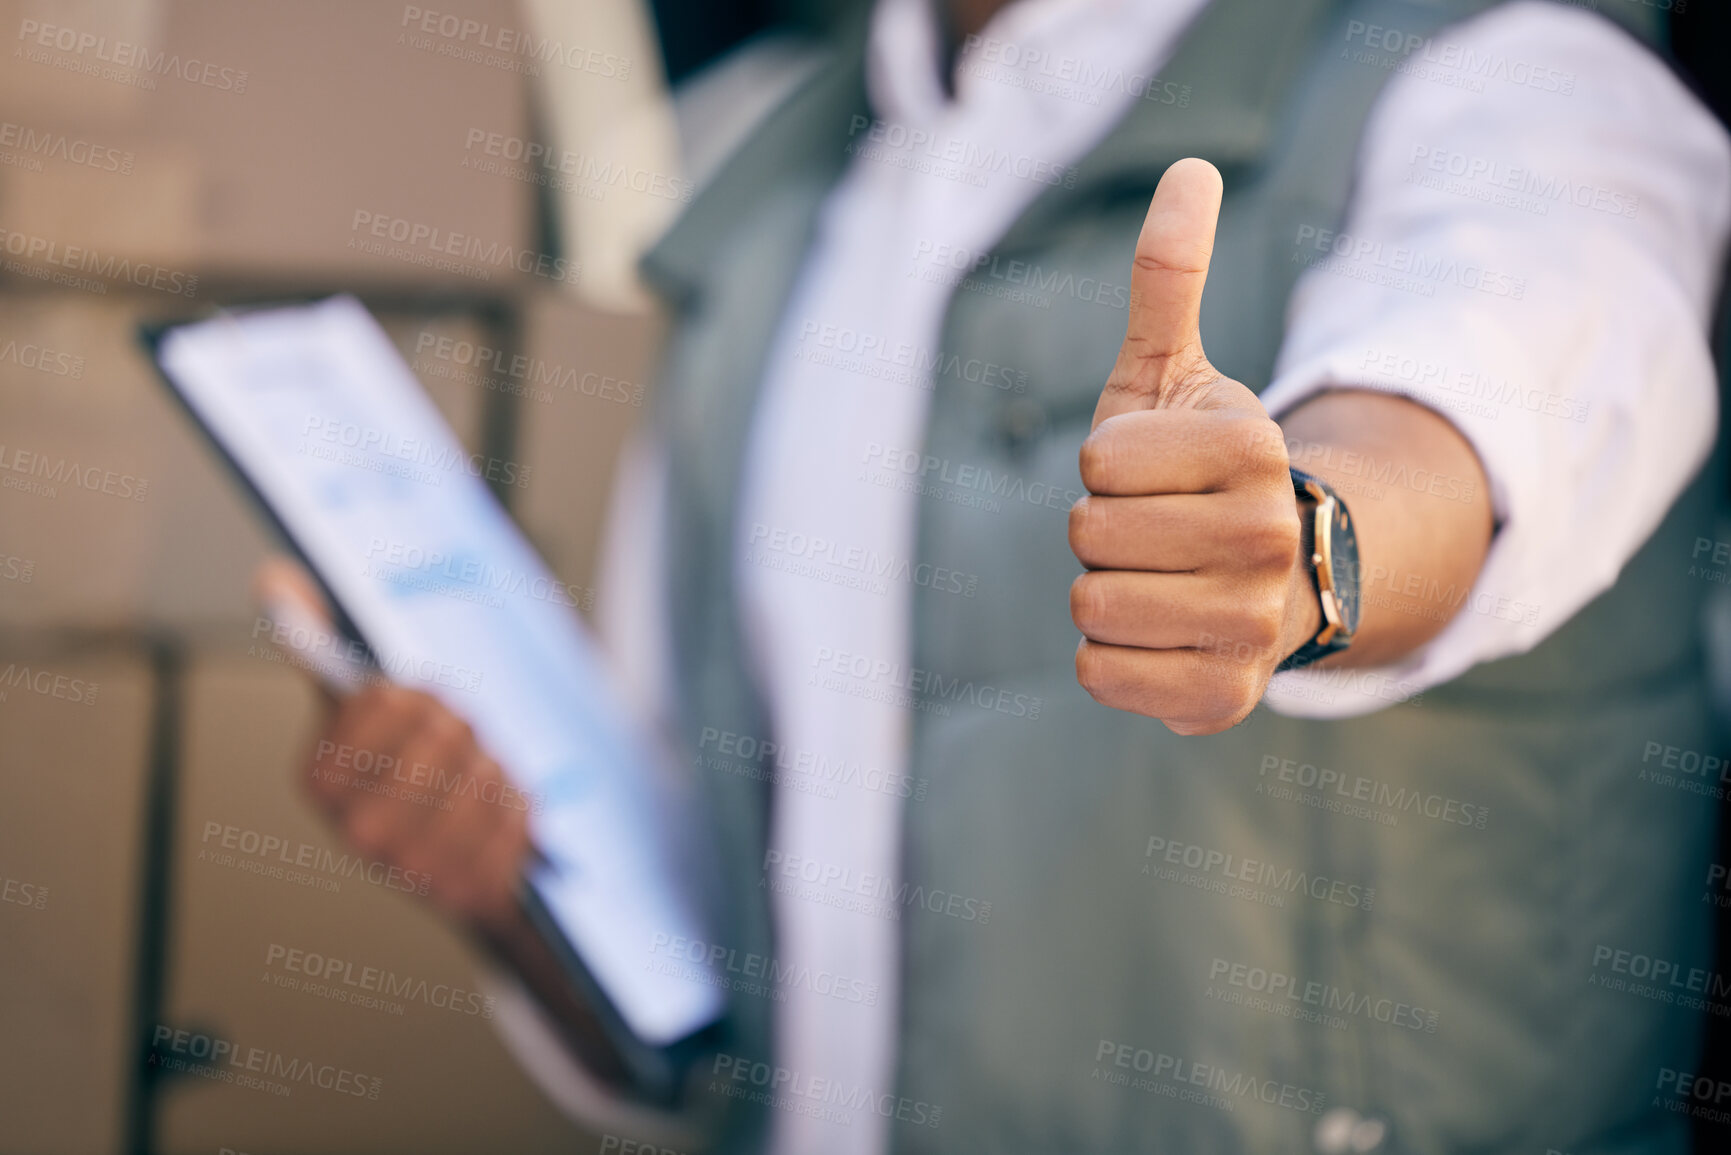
(1322, 560)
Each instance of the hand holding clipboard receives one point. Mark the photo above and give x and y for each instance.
(401, 778)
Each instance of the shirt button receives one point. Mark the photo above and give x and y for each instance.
(1344, 1131)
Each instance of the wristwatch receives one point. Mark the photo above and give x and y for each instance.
(1334, 569)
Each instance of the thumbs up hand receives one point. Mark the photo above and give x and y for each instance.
(1198, 583)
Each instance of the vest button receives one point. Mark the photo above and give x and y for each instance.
(1344, 1131)
(1020, 421)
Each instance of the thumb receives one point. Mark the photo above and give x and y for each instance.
(287, 596)
(1162, 342)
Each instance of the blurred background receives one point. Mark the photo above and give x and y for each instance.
(159, 158)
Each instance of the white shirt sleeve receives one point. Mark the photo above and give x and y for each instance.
(1537, 261)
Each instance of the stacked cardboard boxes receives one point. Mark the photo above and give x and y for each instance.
(160, 158)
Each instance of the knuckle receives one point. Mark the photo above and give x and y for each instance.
(370, 833)
(1087, 529)
(1274, 538)
(370, 702)
(1089, 607)
(1264, 636)
(1223, 690)
(1096, 460)
(1245, 687)
(390, 699)
(1091, 670)
(420, 860)
(447, 731)
(1259, 623)
(1264, 446)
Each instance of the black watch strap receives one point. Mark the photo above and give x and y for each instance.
(1315, 490)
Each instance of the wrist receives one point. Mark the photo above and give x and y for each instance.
(1303, 609)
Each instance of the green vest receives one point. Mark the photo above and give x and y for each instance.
(1201, 945)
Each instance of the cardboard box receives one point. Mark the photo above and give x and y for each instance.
(377, 985)
(155, 529)
(590, 374)
(316, 143)
(74, 740)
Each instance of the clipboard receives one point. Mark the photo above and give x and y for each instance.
(432, 585)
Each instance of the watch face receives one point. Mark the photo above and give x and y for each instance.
(1343, 556)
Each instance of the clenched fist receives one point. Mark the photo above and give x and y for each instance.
(1198, 583)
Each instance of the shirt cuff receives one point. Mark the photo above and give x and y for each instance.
(533, 1039)
(1485, 624)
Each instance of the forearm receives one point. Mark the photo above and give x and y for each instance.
(1418, 498)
